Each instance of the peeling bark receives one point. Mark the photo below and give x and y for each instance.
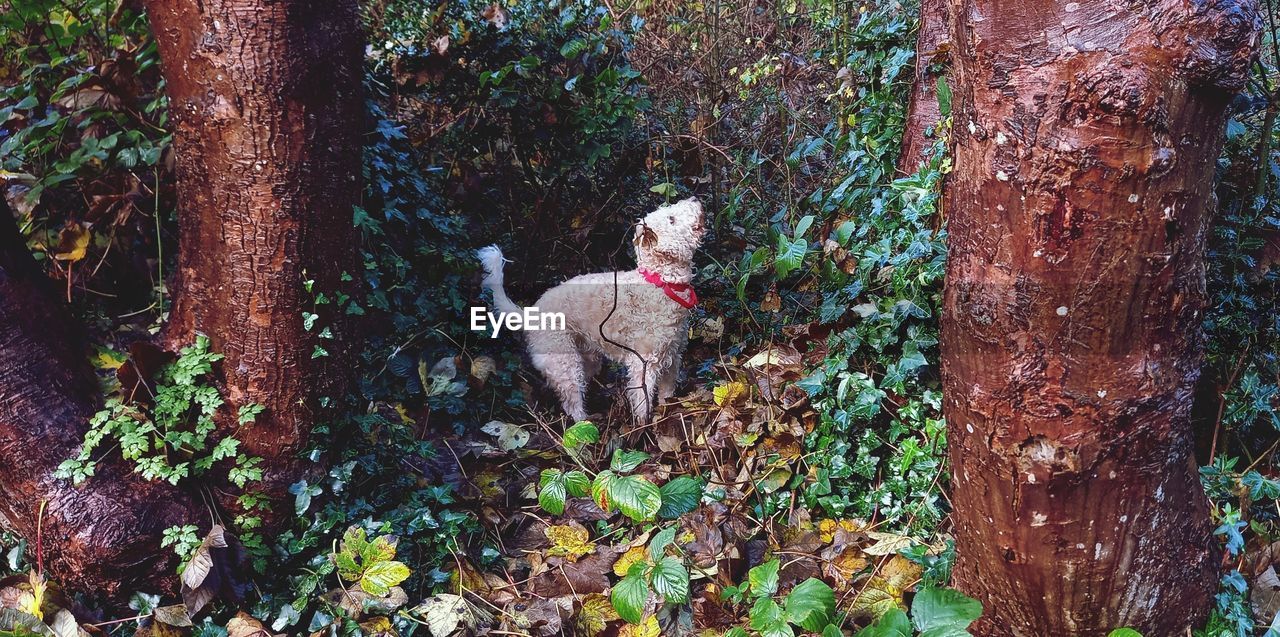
(102, 537)
(267, 106)
(923, 112)
(1086, 135)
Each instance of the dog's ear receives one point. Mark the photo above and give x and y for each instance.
(645, 237)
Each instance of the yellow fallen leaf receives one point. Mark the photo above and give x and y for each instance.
(596, 614)
(901, 572)
(728, 392)
(633, 555)
(570, 541)
(73, 242)
(648, 627)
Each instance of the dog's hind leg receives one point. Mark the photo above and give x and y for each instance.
(642, 386)
(555, 355)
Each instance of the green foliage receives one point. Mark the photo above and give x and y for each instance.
(172, 438)
(370, 563)
(658, 572)
(184, 539)
(935, 612)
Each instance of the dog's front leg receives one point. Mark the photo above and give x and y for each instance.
(642, 386)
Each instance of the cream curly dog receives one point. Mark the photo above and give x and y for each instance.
(638, 318)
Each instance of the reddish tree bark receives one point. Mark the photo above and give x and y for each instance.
(103, 536)
(1086, 135)
(267, 107)
(923, 112)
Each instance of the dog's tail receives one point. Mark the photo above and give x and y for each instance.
(492, 260)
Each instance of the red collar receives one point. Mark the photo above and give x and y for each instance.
(681, 293)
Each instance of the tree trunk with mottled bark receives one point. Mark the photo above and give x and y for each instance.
(267, 107)
(923, 111)
(103, 536)
(1086, 137)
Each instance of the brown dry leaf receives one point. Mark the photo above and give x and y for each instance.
(570, 541)
(496, 15)
(596, 614)
(588, 575)
(482, 367)
(378, 627)
(175, 615)
(73, 242)
(771, 301)
(887, 543)
(243, 625)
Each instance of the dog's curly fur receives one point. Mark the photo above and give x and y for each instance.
(617, 315)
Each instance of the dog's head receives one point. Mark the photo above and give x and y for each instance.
(671, 233)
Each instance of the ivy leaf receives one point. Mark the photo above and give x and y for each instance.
(944, 612)
(763, 579)
(635, 497)
(810, 604)
(629, 597)
(625, 460)
(671, 580)
(767, 618)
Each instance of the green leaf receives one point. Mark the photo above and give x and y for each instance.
(551, 496)
(600, 490)
(763, 579)
(811, 604)
(943, 612)
(671, 580)
(790, 255)
(767, 618)
(1124, 632)
(803, 225)
(832, 630)
(735, 632)
(625, 460)
(944, 99)
(680, 496)
(635, 497)
(629, 597)
(658, 545)
(381, 576)
(892, 624)
(577, 484)
(581, 433)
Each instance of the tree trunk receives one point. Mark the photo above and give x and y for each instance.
(103, 536)
(923, 111)
(267, 107)
(1086, 137)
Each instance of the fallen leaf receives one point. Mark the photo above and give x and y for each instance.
(510, 437)
(728, 393)
(633, 555)
(73, 242)
(596, 615)
(887, 543)
(570, 541)
(444, 613)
